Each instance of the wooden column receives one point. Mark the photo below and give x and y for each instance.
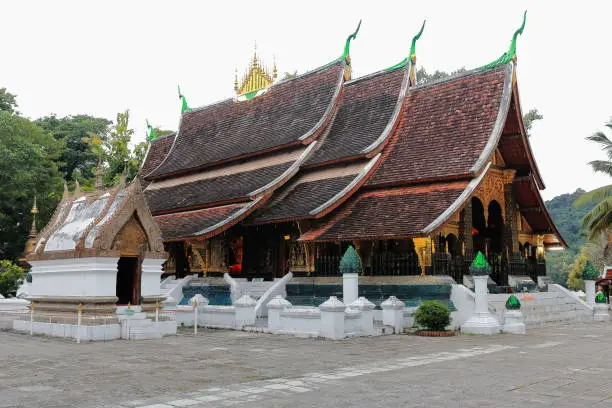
(465, 229)
(510, 222)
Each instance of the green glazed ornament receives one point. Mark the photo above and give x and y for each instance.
(513, 303)
(600, 297)
(350, 262)
(480, 266)
(589, 272)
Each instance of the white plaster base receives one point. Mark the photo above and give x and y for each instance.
(601, 313)
(514, 322)
(481, 323)
(101, 332)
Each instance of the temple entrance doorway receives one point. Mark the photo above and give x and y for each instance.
(128, 279)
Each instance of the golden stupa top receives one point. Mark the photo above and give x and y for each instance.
(257, 77)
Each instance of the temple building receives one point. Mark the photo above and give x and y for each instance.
(286, 174)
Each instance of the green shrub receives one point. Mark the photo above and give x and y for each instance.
(11, 276)
(432, 315)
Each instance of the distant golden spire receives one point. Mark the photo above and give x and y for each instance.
(33, 211)
(257, 77)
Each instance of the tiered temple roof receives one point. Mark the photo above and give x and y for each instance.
(370, 158)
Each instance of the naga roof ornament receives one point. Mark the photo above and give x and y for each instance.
(510, 55)
(346, 53)
(412, 56)
(184, 106)
(151, 136)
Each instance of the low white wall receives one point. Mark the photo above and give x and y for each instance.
(208, 316)
(87, 333)
(75, 277)
(352, 322)
(12, 304)
(301, 321)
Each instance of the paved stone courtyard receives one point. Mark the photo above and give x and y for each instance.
(563, 366)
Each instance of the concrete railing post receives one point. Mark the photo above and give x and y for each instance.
(393, 313)
(367, 314)
(350, 287)
(245, 311)
(589, 290)
(275, 307)
(600, 310)
(481, 321)
(332, 318)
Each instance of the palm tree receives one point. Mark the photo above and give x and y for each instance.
(599, 219)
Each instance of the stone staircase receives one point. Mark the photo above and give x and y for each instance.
(136, 326)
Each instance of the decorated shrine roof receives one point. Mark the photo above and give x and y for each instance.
(388, 213)
(158, 149)
(291, 112)
(447, 128)
(90, 221)
(368, 110)
(203, 222)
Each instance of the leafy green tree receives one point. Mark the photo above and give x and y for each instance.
(424, 77)
(574, 280)
(117, 150)
(599, 219)
(75, 132)
(530, 117)
(289, 75)
(8, 102)
(11, 276)
(27, 168)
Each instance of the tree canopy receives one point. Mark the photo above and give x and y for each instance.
(8, 102)
(74, 132)
(599, 219)
(28, 168)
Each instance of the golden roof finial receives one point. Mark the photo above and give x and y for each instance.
(257, 77)
(99, 175)
(33, 211)
(236, 79)
(77, 188)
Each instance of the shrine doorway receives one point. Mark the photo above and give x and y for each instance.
(128, 280)
(495, 228)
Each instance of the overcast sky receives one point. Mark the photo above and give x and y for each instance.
(102, 57)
